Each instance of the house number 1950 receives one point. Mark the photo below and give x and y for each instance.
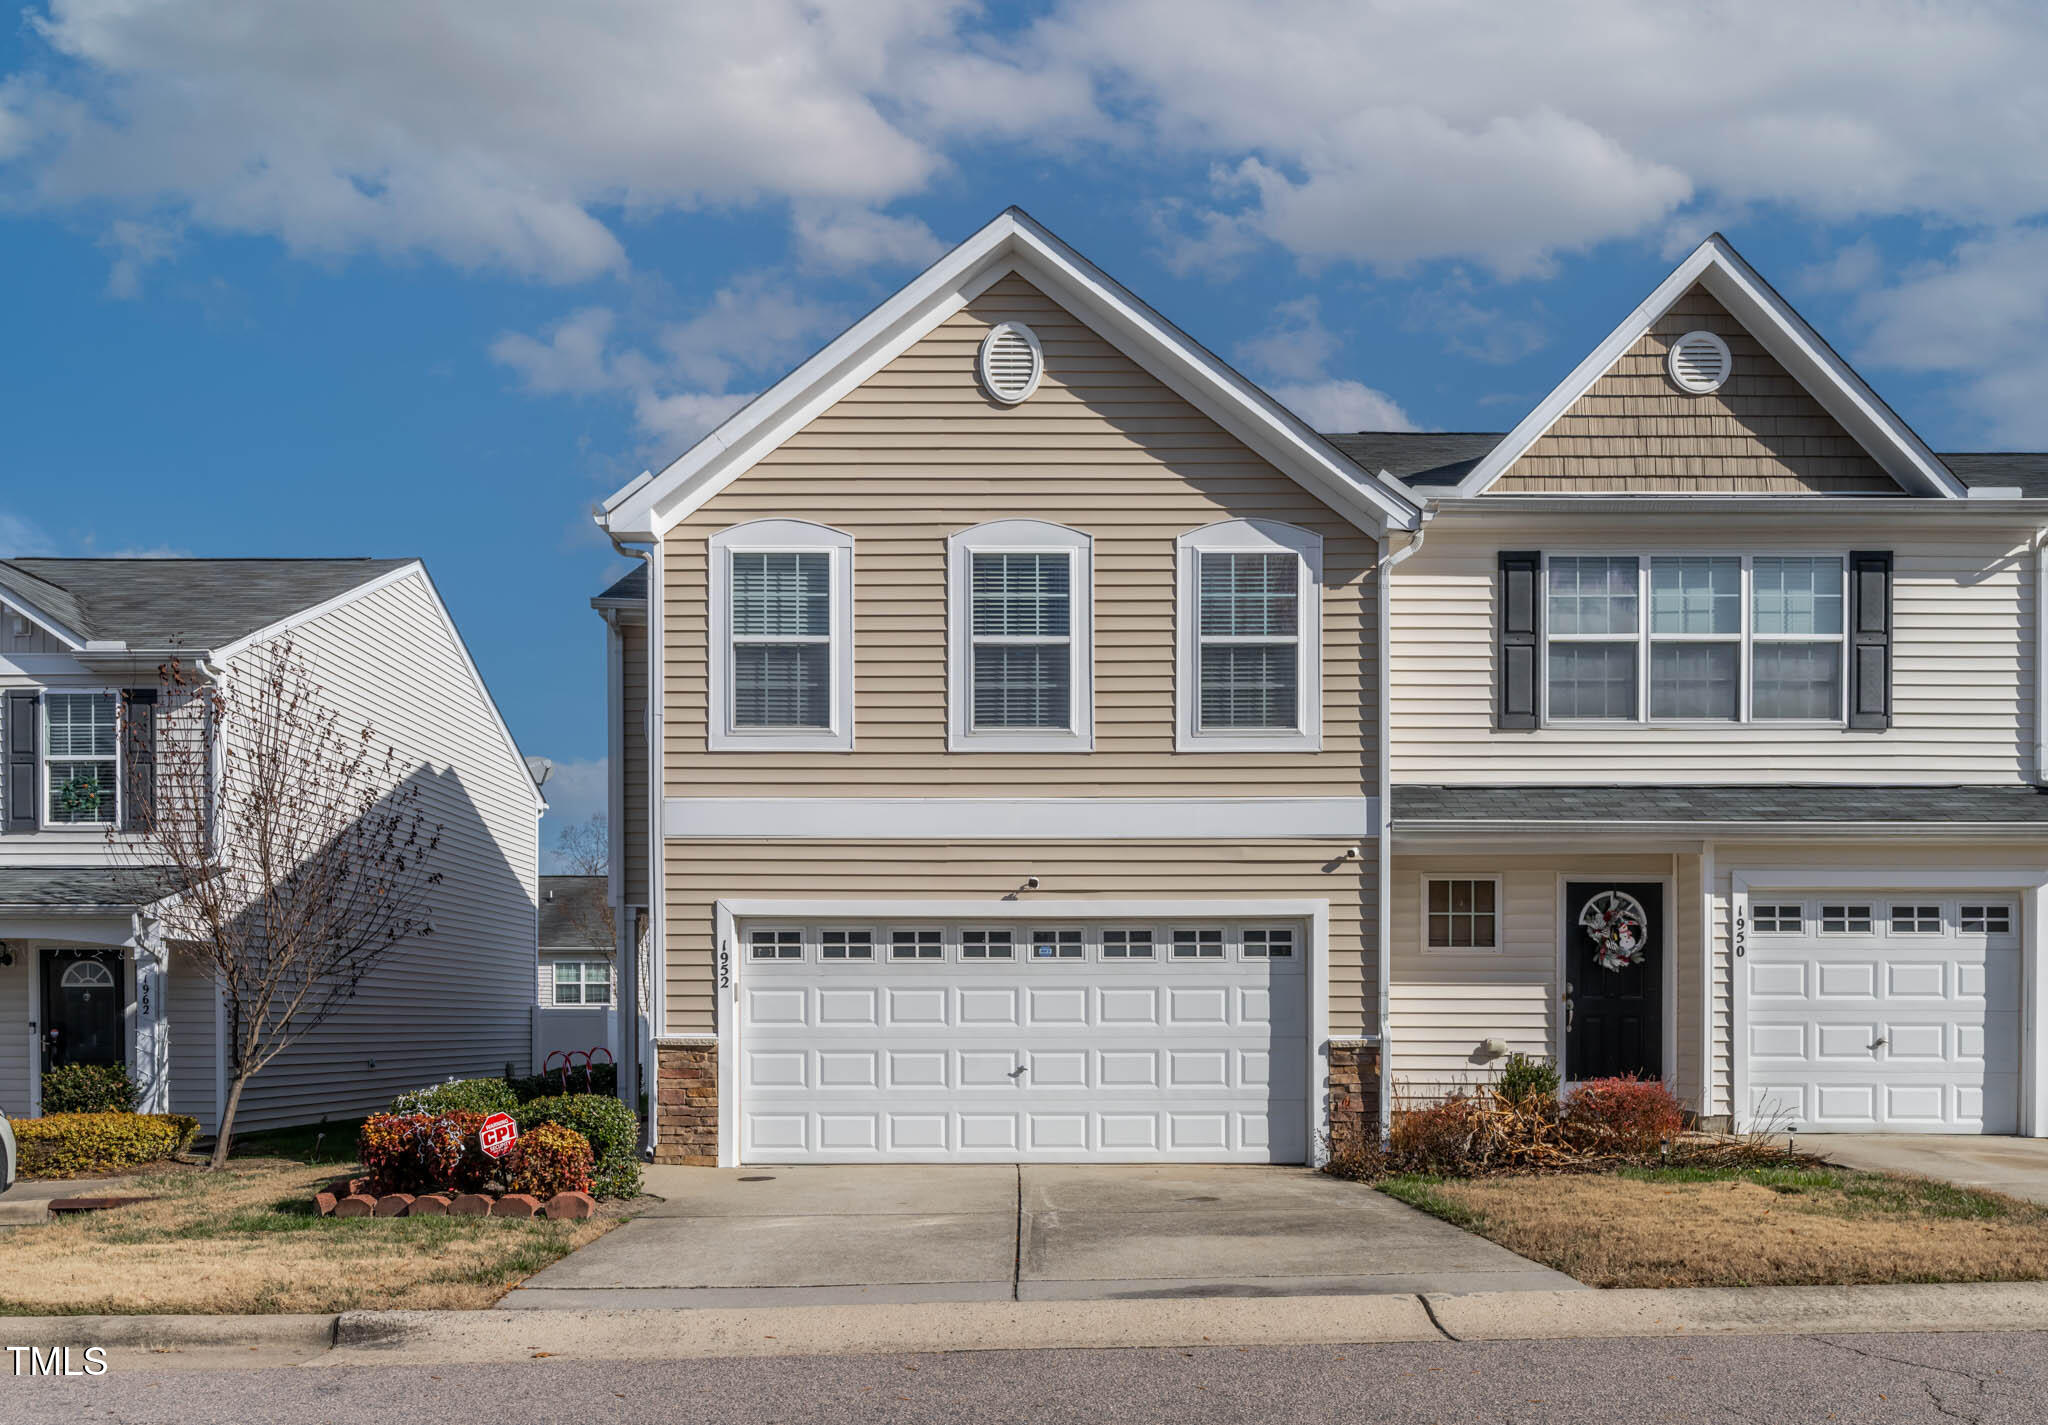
(1741, 936)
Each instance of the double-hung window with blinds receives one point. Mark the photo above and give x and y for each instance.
(1022, 641)
(781, 639)
(1249, 635)
(1694, 638)
(81, 758)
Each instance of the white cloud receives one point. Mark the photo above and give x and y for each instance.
(752, 328)
(1341, 405)
(1979, 317)
(137, 246)
(1468, 328)
(23, 538)
(1296, 347)
(1853, 268)
(576, 791)
(848, 239)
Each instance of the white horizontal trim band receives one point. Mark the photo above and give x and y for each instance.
(1022, 818)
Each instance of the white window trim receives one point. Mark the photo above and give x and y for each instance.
(1019, 537)
(44, 759)
(1422, 914)
(1233, 536)
(1642, 638)
(583, 964)
(779, 537)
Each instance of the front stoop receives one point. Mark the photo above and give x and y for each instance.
(686, 1104)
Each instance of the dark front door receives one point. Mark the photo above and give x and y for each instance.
(1614, 1018)
(82, 998)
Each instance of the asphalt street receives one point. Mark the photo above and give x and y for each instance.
(1802, 1379)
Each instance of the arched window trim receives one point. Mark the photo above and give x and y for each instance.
(776, 536)
(1248, 536)
(1019, 536)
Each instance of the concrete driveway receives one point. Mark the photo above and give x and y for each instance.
(834, 1235)
(2017, 1167)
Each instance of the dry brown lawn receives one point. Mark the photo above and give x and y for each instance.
(247, 1240)
(1766, 1227)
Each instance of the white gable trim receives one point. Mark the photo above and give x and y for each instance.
(1783, 333)
(1013, 242)
(14, 602)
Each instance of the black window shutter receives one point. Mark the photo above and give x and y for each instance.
(1870, 639)
(23, 732)
(138, 766)
(1518, 619)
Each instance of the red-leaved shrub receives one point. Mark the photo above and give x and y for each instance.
(423, 1152)
(1626, 1115)
(1435, 1139)
(549, 1160)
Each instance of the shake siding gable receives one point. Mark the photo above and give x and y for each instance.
(918, 453)
(1636, 430)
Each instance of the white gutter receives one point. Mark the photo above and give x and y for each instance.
(2041, 657)
(1384, 952)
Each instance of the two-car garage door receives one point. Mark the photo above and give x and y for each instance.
(1881, 1012)
(1123, 1041)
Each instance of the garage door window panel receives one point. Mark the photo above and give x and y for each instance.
(1057, 945)
(1978, 918)
(1198, 944)
(983, 946)
(915, 945)
(775, 943)
(1779, 918)
(1120, 943)
(844, 946)
(1852, 918)
(1915, 919)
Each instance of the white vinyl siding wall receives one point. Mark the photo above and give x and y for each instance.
(460, 1002)
(1963, 650)
(190, 1002)
(16, 1052)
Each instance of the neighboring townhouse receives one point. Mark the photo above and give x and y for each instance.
(1717, 735)
(1012, 672)
(579, 1005)
(85, 972)
(1014, 682)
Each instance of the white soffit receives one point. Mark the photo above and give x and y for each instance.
(1781, 331)
(1013, 242)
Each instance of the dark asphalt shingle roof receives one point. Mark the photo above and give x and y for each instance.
(76, 887)
(1439, 459)
(182, 603)
(2016, 804)
(632, 585)
(572, 913)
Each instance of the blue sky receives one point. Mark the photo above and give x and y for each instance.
(424, 277)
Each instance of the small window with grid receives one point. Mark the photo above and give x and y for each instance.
(1464, 913)
(776, 944)
(987, 945)
(1779, 919)
(1056, 944)
(1121, 944)
(1916, 920)
(1845, 920)
(924, 944)
(1268, 944)
(1194, 943)
(1986, 919)
(847, 945)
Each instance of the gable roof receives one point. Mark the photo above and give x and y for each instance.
(1781, 331)
(628, 588)
(1432, 462)
(572, 913)
(1013, 242)
(178, 603)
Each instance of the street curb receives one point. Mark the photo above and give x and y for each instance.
(311, 1334)
(1741, 1311)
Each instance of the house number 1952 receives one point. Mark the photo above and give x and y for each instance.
(724, 967)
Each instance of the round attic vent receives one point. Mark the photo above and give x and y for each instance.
(1010, 362)
(1699, 362)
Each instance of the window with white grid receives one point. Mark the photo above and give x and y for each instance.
(1780, 918)
(1127, 943)
(1461, 912)
(920, 943)
(1977, 918)
(81, 758)
(1020, 660)
(782, 637)
(1249, 667)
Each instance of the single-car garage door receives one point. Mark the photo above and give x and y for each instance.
(1874, 1012)
(1125, 1041)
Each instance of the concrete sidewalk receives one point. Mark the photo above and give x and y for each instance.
(813, 1236)
(376, 1338)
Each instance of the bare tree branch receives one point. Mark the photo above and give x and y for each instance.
(585, 849)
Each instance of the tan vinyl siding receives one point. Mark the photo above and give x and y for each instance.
(633, 755)
(1890, 864)
(918, 453)
(1444, 1004)
(700, 873)
(1637, 430)
(1963, 648)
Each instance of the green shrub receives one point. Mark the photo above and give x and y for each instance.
(1527, 1082)
(69, 1145)
(485, 1096)
(597, 1079)
(549, 1160)
(88, 1088)
(608, 1125)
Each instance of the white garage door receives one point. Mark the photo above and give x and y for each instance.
(1870, 1012)
(991, 1042)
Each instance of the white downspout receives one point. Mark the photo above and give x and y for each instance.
(2041, 656)
(650, 1014)
(1385, 957)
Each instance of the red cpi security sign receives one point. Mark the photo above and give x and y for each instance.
(498, 1134)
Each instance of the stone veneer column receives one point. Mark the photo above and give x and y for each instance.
(1354, 1094)
(686, 1102)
